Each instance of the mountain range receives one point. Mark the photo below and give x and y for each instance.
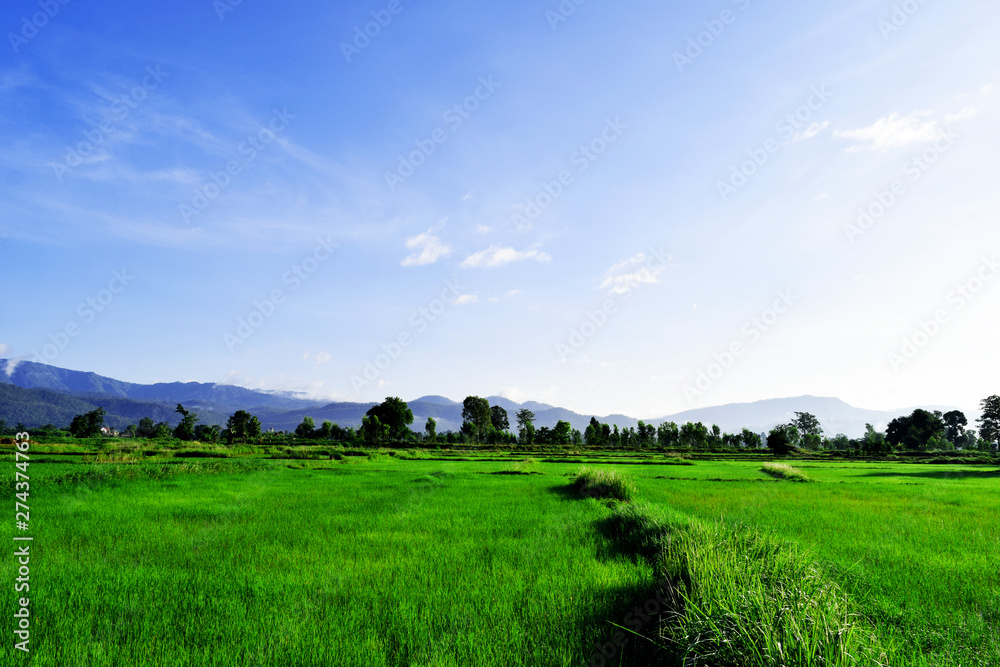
(37, 394)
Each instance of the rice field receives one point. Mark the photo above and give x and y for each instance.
(488, 559)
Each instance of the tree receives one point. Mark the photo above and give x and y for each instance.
(431, 428)
(325, 431)
(916, 431)
(206, 433)
(750, 439)
(130, 431)
(498, 419)
(874, 443)
(954, 424)
(668, 435)
(185, 430)
(783, 439)
(694, 435)
(478, 414)
(562, 433)
(592, 434)
(396, 415)
(307, 429)
(989, 423)
(146, 428)
(807, 424)
(242, 427)
(525, 426)
(373, 431)
(87, 425)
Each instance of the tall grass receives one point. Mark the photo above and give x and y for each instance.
(785, 471)
(741, 598)
(603, 484)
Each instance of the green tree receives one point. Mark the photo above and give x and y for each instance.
(325, 431)
(668, 435)
(989, 423)
(146, 428)
(807, 424)
(916, 431)
(783, 439)
(87, 425)
(562, 433)
(694, 435)
(431, 428)
(307, 429)
(525, 426)
(242, 427)
(394, 414)
(499, 420)
(476, 412)
(185, 430)
(131, 430)
(373, 431)
(874, 443)
(750, 439)
(206, 433)
(954, 424)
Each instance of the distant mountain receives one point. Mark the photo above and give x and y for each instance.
(54, 395)
(218, 397)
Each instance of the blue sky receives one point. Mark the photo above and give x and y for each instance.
(637, 208)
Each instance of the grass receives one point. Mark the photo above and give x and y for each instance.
(603, 484)
(736, 597)
(418, 558)
(786, 472)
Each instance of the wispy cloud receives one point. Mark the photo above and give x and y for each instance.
(496, 256)
(893, 131)
(967, 112)
(466, 299)
(620, 278)
(427, 248)
(810, 131)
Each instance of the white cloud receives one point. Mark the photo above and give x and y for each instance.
(428, 247)
(483, 229)
(893, 131)
(4, 348)
(466, 299)
(988, 88)
(967, 112)
(811, 131)
(620, 279)
(514, 292)
(496, 256)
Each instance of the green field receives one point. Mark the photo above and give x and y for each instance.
(466, 559)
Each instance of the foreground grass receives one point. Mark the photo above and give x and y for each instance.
(739, 598)
(371, 563)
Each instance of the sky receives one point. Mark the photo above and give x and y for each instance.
(636, 208)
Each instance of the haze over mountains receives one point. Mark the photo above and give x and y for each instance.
(38, 394)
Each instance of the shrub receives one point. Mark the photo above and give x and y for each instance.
(603, 484)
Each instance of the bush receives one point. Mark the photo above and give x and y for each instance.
(603, 484)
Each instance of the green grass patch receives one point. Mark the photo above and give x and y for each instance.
(786, 472)
(603, 484)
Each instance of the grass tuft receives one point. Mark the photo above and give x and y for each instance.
(786, 472)
(604, 484)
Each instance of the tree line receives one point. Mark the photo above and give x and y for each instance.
(484, 424)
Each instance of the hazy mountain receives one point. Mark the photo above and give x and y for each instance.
(54, 395)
